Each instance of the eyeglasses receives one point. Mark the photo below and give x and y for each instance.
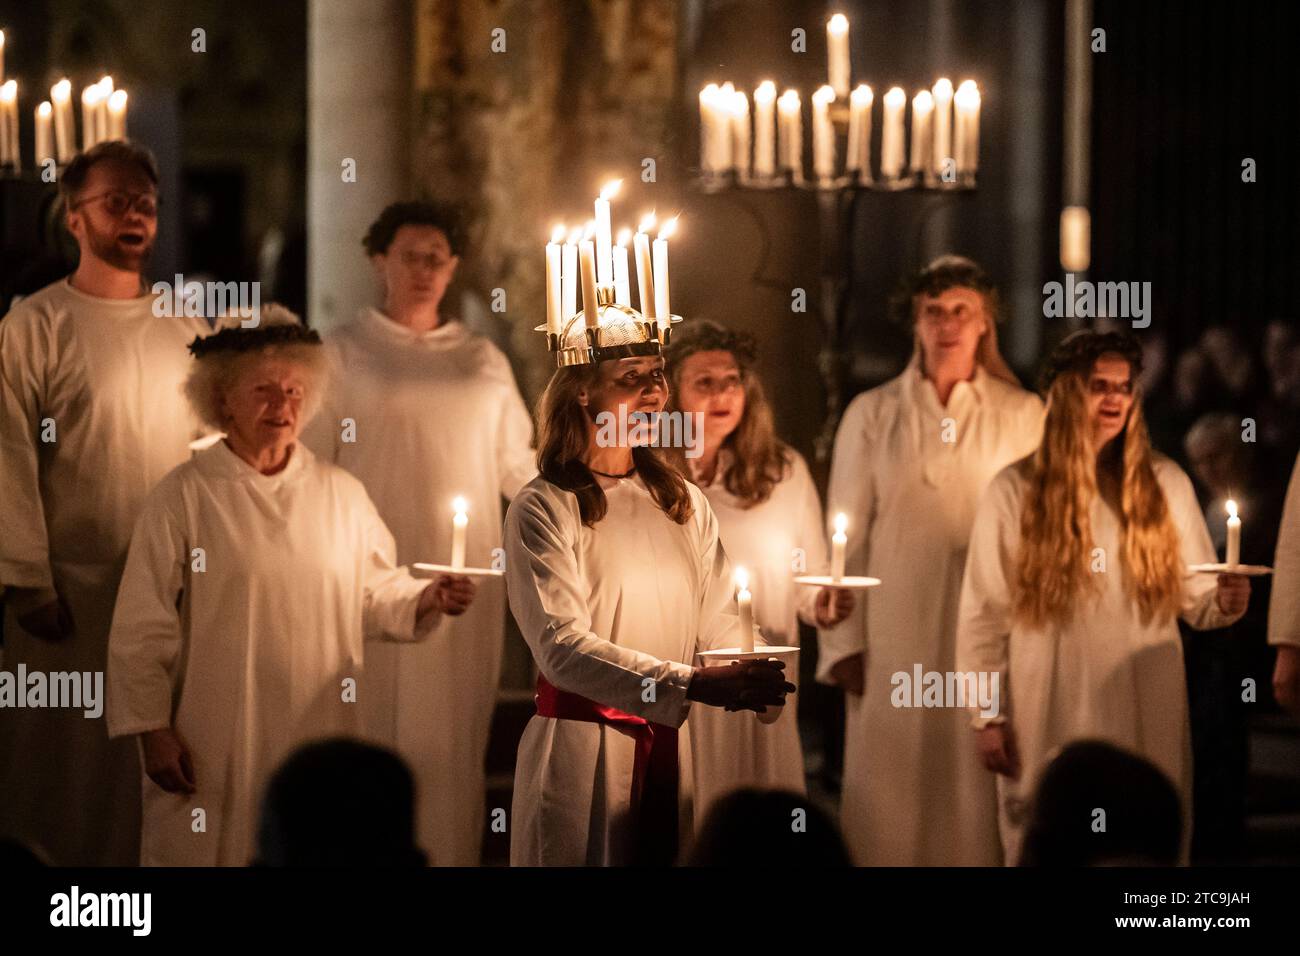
(1099, 386)
(719, 386)
(432, 260)
(117, 203)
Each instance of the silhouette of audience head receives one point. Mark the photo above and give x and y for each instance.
(339, 802)
(1098, 805)
(767, 829)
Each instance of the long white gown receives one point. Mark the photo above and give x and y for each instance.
(1284, 602)
(914, 793)
(102, 379)
(1103, 675)
(610, 613)
(735, 749)
(252, 655)
(437, 415)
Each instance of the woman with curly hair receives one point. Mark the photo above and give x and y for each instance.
(1075, 580)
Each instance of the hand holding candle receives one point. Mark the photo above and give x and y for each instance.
(459, 522)
(745, 609)
(838, 542)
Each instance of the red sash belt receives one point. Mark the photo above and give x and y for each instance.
(655, 770)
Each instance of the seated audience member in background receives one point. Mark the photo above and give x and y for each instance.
(339, 802)
(1098, 805)
(772, 829)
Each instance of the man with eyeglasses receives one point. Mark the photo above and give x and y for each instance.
(424, 411)
(91, 416)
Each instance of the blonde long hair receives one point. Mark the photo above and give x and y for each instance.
(1053, 566)
(563, 435)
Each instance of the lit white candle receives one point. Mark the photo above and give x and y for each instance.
(117, 115)
(837, 54)
(64, 126)
(823, 133)
(858, 150)
(790, 132)
(644, 272)
(1076, 239)
(891, 139)
(622, 285)
(1234, 535)
(587, 271)
(708, 128)
(569, 277)
(745, 610)
(604, 235)
(2, 54)
(90, 97)
(838, 541)
(101, 109)
(922, 114)
(942, 94)
(663, 311)
(967, 133)
(44, 132)
(740, 138)
(9, 153)
(554, 273)
(459, 521)
(765, 129)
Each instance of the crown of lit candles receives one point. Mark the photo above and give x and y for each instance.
(103, 117)
(769, 149)
(607, 327)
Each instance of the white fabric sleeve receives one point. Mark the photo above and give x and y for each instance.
(852, 492)
(546, 591)
(24, 541)
(392, 595)
(148, 635)
(719, 616)
(516, 457)
(1284, 605)
(984, 613)
(1200, 604)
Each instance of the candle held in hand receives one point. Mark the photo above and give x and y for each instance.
(459, 522)
(1234, 535)
(838, 542)
(745, 609)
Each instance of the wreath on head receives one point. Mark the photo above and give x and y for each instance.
(250, 340)
(1078, 351)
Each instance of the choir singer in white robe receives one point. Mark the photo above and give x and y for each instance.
(1076, 576)
(1284, 609)
(617, 578)
(911, 459)
(91, 417)
(420, 402)
(770, 520)
(255, 572)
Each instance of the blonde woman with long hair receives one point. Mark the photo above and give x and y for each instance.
(617, 577)
(770, 519)
(1075, 581)
(911, 459)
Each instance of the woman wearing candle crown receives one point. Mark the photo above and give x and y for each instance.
(771, 523)
(255, 572)
(911, 458)
(617, 578)
(1076, 576)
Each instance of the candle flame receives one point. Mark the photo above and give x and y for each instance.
(624, 236)
(610, 189)
(589, 230)
(459, 505)
(742, 579)
(1232, 508)
(823, 95)
(943, 88)
(9, 91)
(838, 24)
(45, 109)
(861, 96)
(91, 95)
(968, 95)
(766, 92)
(727, 89)
(61, 91)
(575, 236)
(841, 522)
(668, 228)
(106, 84)
(2, 39)
(117, 101)
(922, 102)
(647, 222)
(895, 98)
(558, 233)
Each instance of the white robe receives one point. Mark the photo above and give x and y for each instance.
(734, 749)
(914, 793)
(251, 656)
(102, 378)
(437, 415)
(1284, 601)
(614, 613)
(1104, 674)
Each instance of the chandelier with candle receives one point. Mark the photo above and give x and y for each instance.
(607, 327)
(766, 151)
(103, 117)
